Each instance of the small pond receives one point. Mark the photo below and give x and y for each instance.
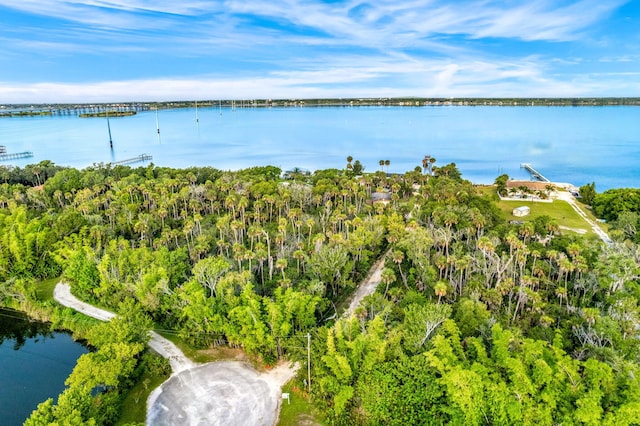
(34, 362)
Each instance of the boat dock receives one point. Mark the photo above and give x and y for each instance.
(534, 173)
(141, 157)
(5, 156)
(87, 110)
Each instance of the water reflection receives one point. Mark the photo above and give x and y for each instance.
(35, 363)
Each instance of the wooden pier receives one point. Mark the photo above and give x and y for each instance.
(82, 110)
(534, 173)
(4, 156)
(139, 158)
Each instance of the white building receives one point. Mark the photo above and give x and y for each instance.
(521, 211)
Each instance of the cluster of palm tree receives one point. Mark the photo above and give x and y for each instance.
(249, 259)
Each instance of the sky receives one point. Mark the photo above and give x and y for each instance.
(167, 50)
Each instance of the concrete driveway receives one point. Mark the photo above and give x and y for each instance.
(219, 393)
(216, 393)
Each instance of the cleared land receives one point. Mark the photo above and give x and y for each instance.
(568, 213)
(559, 210)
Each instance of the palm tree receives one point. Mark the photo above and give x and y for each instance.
(387, 163)
(526, 231)
(381, 162)
(549, 188)
(299, 256)
(440, 289)
(561, 293)
(282, 264)
(387, 277)
(398, 256)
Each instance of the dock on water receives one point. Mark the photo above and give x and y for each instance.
(5, 156)
(534, 173)
(139, 158)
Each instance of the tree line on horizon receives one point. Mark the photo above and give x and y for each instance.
(366, 101)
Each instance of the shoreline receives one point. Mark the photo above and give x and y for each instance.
(409, 101)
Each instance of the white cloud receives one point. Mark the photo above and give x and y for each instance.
(379, 23)
(312, 48)
(400, 23)
(622, 58)
(377, 77)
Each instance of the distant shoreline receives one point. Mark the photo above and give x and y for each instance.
(107, 114)
(42, 108)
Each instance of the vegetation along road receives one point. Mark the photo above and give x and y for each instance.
(217, 393)
(464, 317)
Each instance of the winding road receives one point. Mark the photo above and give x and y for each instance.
(179, 362)
(216, 393)
(222, 393)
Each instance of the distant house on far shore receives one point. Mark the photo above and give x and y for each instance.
(521, 211)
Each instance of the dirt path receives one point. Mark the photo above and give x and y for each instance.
(216, 393)
(368, 286)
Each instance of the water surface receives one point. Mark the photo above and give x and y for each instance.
(35, 363)
(567, 144)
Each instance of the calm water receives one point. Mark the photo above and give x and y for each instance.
(35, 363)
(567, 144)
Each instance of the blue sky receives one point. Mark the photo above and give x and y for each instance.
(148, 50)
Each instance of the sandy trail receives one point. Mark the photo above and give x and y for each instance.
(594, 226)
(216, 393)
(368, 286)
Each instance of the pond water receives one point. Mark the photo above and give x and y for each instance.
(35, 363)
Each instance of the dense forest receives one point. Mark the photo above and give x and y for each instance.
(476, 320)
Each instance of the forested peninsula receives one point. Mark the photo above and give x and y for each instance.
(477, 319)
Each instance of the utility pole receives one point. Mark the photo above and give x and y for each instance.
(309, 363)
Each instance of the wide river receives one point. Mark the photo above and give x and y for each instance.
(578, 145)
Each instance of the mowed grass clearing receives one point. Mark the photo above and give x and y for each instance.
(559, 210)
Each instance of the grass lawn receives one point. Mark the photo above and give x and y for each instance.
(587, 210)
(299, 411)
(202, 356)
(134, 406)
(559, 210)
(45, 288)
(489, 190)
